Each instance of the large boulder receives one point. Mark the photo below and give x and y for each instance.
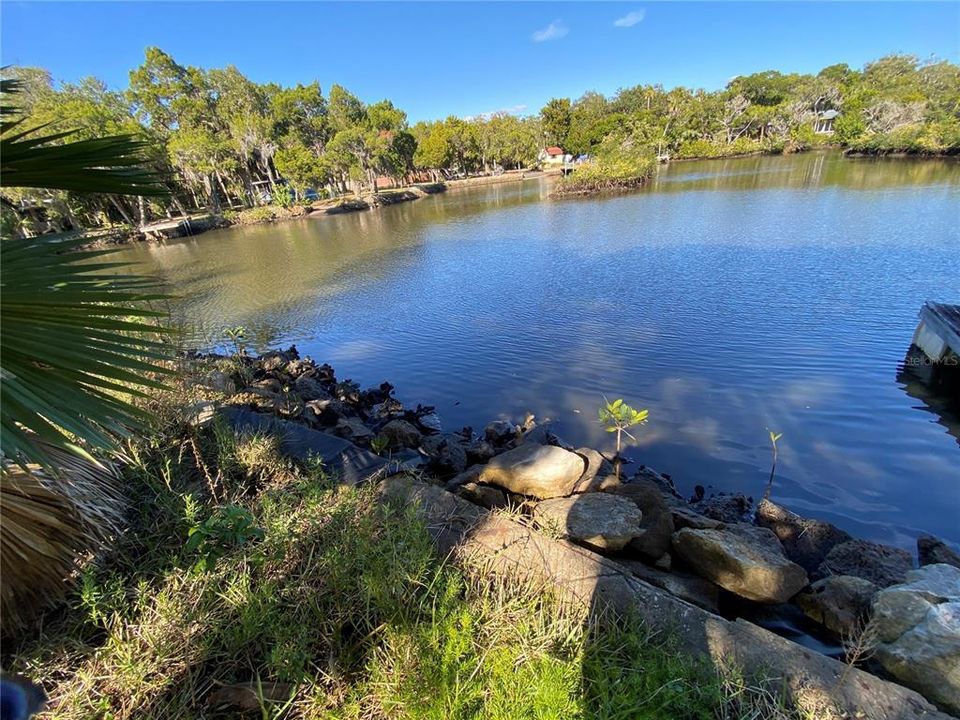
(685, 586)
(401, 433)
(598, 469)
(933, 551)
(657, 523)
(601, 521)
(918, 629)
(805, 541)
(839, 602)
(883, 565)
(540, 471)
(746, 560)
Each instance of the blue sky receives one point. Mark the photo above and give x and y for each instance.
(466, 58)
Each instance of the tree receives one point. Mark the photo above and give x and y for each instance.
(556, 118)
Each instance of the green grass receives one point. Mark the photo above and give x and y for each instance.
(297, 580)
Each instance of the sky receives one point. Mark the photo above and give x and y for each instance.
(435, 59)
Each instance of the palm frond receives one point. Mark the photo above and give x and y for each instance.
(73, 347)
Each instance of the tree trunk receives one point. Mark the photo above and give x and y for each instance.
(122, 211)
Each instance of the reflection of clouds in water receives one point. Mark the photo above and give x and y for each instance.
(355, 350)
(840, 458)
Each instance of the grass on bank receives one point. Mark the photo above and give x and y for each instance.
(336, 604)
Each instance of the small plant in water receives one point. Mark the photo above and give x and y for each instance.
(237, 335)
(774, 436)
(619, 417)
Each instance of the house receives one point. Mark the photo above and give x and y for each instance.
(823, 122)
(553, 156)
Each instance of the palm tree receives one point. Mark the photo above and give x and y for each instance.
(73, 343)
(76, 342)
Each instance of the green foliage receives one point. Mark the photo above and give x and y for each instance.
(73, 330)
(617, 416)
(229, 527)
(556, 117)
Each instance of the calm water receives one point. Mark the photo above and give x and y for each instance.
(728, 297)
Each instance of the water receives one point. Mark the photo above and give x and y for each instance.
(728, 297)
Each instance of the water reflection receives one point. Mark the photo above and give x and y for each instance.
(725, 312)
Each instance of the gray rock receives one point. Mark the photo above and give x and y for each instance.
(540, 471)
(400, 433)
(483, 495)
(805, 541)
(725, 508)
(599, 520)
(882, 565)
(352, 428)
(671, 495)
(499, 431)
(219, 382)
(480, 451)
(657, 524)
(839, 602)
(691, 588)
(746, 560)
(447, 454)
(596, 463)
(684, 517)
(933, 551)
(470, 475)
(310, 389)
(200, 413)
(918, 626)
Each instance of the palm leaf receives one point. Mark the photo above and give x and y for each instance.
(78, 338)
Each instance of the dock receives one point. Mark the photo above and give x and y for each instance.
(938, 334)
(934, 355)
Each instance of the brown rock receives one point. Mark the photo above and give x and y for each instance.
(483, 495)
(805, 541)
(657, 523)
(401, 434)
(540, 471)
(743, 559)
(684, 517)
(934, 551)
(839, 602)
(599, 520)
(691, 588)
(882, 565)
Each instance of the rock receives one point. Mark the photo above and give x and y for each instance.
(743, 559)
(309, 389)
(352, 428)
(219, 382)
(599, 520)
(933, 551)
(596, 472)
(470, 475)
(882, 565)
(839, 602)
(684, 517)
(691, 588)
(200, 413)
(324, 412)
(657, 524)
(664, 482)
(430, 422)
(480, 452)
(728, 509)
(499, 432)
(918, 628)
(447, 455)
(400, 433)
(267, 386)
(484, 495)
(541, 471)
(805, 541)
(251, 696)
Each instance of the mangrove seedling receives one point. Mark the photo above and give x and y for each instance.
(619, 417)
(774, 436)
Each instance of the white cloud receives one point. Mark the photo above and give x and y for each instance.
(630, 19)
(553, 31)
(514, 110)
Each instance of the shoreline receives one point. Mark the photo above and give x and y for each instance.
(802, 578)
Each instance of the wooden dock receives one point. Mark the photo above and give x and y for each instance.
(938, 334)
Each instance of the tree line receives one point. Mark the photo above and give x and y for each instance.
(221, 140)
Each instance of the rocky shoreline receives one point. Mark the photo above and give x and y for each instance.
(716, 552)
